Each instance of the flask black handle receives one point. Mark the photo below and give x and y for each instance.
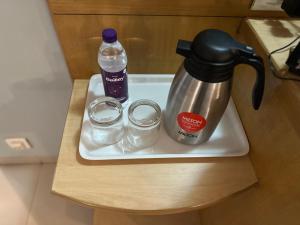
(258, 89)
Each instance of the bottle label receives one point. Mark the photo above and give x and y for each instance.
(191, 122)
(115, 84)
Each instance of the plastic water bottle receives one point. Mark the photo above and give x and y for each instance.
(112, 60)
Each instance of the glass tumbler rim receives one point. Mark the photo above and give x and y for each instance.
(112, 102)
(144, 102)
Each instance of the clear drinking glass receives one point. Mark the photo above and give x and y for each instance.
(106, 118)
(143, 123)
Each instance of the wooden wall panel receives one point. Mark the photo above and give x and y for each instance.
(150, 41)
(274, 136)
(105, 217)
(153, 7)
(158, 7)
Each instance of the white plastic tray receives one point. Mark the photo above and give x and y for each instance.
(229, 138)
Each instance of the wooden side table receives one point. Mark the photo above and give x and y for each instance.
(142, 187)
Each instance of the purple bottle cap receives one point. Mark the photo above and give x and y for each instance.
(109, 35)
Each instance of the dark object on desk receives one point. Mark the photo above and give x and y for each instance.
(294, 60)
(291, 7)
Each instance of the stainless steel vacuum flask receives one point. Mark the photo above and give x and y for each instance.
(201, 88)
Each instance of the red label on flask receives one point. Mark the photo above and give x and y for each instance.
(191, 122)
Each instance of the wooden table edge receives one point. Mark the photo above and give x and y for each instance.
(164, 211)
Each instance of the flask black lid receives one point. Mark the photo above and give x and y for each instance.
(212, 55)
(217, 46)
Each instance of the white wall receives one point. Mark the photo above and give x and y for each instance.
(35, 85)
(268, 5)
